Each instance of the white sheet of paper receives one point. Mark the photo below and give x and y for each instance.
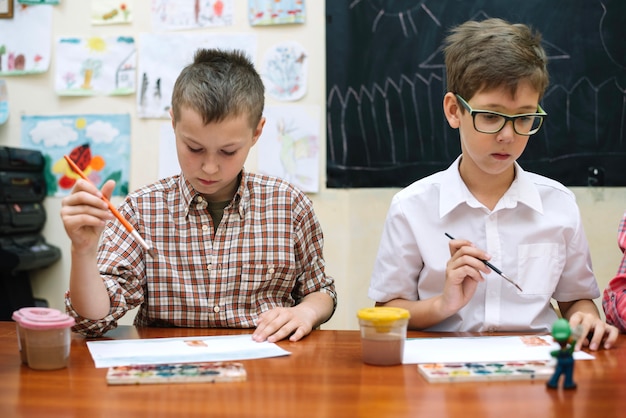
(481, 349)
(111, 353)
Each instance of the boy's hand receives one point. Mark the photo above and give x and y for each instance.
(279, 323)
(84, 214)
(463, 273)
(600, 333)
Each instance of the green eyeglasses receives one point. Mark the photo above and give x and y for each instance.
(489, 122)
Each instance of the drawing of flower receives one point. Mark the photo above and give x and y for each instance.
(124, 10)
(70, 79)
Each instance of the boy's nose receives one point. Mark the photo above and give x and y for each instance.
(507, 133)
(210, 166)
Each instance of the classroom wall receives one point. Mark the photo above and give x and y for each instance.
(352, 219)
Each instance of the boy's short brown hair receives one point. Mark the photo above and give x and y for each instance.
(493, 53)
(220, 84)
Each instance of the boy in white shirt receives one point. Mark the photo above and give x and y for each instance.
(529, 226)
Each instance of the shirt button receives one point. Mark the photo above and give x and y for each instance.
(199, 199)
(205, 227)
(216, 309)
(208, 267)
(271, 271)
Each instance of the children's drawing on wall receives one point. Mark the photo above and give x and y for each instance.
(189, 14)
(289, 145)
(111, 12)
(275, 12)
(39, 1)
(4, 102)
(86, 67)
(168, 158)
(285, 71)
(163, 56)
(25, 40)
(98, 144)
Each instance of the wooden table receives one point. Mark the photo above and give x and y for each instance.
(323, 377)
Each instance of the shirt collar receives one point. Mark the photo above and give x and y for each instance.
(454, 191)
(189, 195)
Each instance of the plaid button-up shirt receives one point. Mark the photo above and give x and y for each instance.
(267, 252)
(614, 298)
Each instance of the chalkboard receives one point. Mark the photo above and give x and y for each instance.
(386, 81)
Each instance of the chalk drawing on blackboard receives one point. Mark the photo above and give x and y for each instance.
(402, 14)
(606, 43)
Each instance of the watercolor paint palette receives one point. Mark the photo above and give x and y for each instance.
(177, 373)
(467, 372)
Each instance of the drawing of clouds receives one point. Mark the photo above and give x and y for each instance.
(101, 132)
(53, 133)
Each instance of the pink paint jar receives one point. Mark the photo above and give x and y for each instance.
(383, 332)
(44, 337)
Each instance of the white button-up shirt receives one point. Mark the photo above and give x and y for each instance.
(534, 235)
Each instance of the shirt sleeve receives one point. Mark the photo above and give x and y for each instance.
(120, 261)
(398, 261)
(577, 280)
(309, 249)
(614, 297)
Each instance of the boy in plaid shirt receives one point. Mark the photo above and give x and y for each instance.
(234, 249)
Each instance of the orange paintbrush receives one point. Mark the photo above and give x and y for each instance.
(115, 212)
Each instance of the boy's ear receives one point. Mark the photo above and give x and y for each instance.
(258, 130)
(172, 118)
(451, 110)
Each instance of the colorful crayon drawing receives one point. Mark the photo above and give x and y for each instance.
(170, 15)
(4, 102)
(98, 144)
(111, 12)
(289, 145)
(25, 41)
(39, 2)
(285, 71)
(95, 65)
(91, 165)
(275, 12)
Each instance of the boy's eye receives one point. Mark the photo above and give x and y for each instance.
(491, 117)
(229, 153)
(194, 149)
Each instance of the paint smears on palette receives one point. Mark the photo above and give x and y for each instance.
(468, 372)
(177, 373)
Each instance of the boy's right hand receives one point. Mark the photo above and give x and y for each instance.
(463, 273)
(84, 214)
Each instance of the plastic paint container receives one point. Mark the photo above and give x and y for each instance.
(383, 332)
(21, 336)
(44, 337)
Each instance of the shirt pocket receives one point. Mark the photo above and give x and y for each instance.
(273, 281)
(539, 267)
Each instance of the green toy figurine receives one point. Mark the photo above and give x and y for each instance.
(563, 334)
